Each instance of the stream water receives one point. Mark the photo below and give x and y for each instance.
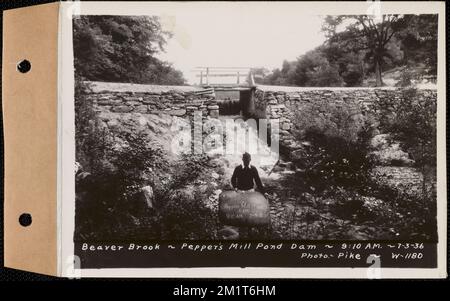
(243, 136)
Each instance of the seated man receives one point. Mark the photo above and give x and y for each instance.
(245, 176)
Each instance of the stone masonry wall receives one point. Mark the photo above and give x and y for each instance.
(180, 101)
(271, 102)
(282, 103)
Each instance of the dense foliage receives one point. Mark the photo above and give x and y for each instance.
(116, 165)
(338, 152)
(335, 177)
(414, 126)
(359, 47)
(122, 49)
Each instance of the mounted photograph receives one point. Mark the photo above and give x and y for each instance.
(256, 135)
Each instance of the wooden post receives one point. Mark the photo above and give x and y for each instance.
(201, 78)
(238, 77)
(251, 79)
(207, 75)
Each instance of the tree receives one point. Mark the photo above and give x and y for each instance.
(260, 74)
(359, 45)
(91, 140)
(314, 69)
(284, 76)
(350, 64)
(338, 153)
(122, 49)
(365, 33)
(419, 42)
(414, 126)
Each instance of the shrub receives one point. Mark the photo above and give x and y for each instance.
(117, 163)
(108, 187)
(91, 140)
(188, 169)
(406, 78)
(340, 151)
(414, 126)
(185, 216)
(109, 204)
(388, 152)
(415, 213)
(396, 214)
(183, 212)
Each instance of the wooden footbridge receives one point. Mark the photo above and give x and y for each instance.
(225, 78)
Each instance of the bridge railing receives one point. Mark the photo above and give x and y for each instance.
(240, 76)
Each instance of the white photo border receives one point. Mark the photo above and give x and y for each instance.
(66, 138)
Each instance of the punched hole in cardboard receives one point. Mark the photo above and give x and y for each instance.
(24, 66)
(25, 219)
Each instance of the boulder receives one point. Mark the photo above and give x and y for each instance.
(388, 152)
(244, 209)
(214, 113)
(122, 109)
(112, 101)
(147, 193)
(228, 233)
(141, 109)
(150, 99)
(180, 112)
(286, 126)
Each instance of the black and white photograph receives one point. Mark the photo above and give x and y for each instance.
(225, 129)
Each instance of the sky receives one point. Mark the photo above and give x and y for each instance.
(238, 38)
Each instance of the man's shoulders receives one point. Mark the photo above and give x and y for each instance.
(253, 168)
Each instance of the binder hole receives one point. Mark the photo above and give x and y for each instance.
(25, 219)
(24, 66)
